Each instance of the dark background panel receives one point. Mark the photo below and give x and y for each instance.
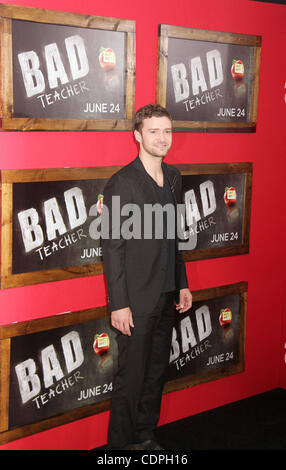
(70, 100)
(33, 195)
(222, 341)
(206, 105)
(94, 375)
(224, 219)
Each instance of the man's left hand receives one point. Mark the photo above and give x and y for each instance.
(185, 301)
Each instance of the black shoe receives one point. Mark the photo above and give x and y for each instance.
(147, 445)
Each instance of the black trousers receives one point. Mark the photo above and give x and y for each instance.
(138, 385)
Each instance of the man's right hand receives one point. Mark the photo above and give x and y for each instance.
(122, 320)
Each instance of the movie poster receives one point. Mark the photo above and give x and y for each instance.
(214, 206)
(206, 338)
(59, 370)
(209, 81)
(56, 369)
(67, 72)
(60, 227)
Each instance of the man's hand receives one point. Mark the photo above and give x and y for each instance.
(122, 320)
(185, 301)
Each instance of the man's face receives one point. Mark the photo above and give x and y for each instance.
(155, 137)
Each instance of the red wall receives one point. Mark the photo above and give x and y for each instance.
(263, 267)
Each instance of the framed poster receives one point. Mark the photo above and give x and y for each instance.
(208, 80)
(209, 339)
(55, 370)
(65, 71)
(50, 224)
(59, 369)
(216, 219)
(51, 219)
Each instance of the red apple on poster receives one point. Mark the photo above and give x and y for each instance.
(107, 59)
(237, 69)
(229, 196)
(99, 203)
(225, 317)
(101, 343)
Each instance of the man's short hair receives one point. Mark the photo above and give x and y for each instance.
(147, 112)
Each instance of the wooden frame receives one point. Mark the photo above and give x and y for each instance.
(212, 171)
(193, 110)
(37, 114)
(10, 178)
(17, 330)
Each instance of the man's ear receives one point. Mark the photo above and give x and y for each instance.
(137, 136)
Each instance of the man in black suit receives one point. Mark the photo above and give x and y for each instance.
(144, 271)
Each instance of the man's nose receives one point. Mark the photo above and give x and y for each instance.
(162, 136)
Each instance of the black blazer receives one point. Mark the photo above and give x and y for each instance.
(135, 268)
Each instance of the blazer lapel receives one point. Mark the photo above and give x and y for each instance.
(173, 181)
(149, 189)
(144, 182)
